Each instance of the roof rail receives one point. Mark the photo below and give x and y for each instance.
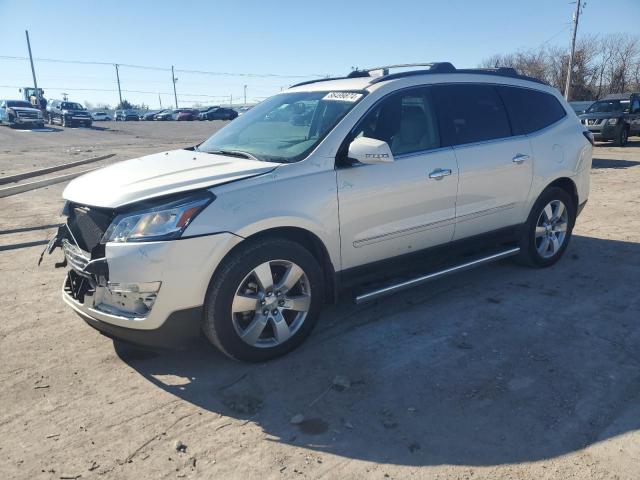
(440, 67)
(433, 67)
(446, 67)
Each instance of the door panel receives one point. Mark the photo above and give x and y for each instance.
(395, 208)
(495, 178)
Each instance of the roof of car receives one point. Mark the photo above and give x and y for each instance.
(620, 96)
(369, 78)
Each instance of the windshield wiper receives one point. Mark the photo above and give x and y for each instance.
(233, 153)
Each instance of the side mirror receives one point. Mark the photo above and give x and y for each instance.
(370, 151)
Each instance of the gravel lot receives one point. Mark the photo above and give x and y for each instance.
(502, 372)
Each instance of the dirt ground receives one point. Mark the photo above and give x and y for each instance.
(502, 372)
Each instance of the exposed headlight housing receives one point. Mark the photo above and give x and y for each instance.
(166, 221)
(65, 112)
(612, 121)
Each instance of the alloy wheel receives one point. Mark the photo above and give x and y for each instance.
(271, 303)
(551, 229)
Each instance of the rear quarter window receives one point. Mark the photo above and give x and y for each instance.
(530, 110)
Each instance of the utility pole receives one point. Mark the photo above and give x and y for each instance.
(160, 100)
(245, 95)
(231, 100)
(576, 16)
(174, 79)
(118, 77)
(33, 71)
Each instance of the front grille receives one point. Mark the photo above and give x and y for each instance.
(30, 115)
(77, 258)
(88, 224)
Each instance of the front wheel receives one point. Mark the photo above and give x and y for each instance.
(548, 229)
(623, 137)
(264, 300)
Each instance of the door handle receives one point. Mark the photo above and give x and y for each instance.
(438, 173)
(519, 158)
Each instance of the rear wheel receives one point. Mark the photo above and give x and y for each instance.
(264, 300)
(548, 229)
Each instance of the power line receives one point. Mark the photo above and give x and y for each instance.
(164, 69)
(127, 91)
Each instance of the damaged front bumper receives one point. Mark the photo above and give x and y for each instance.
(146, 292)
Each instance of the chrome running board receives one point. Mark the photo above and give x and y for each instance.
(388, 290)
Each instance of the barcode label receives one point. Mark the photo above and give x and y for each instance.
(343, 96)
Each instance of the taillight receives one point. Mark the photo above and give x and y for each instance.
(588, 135)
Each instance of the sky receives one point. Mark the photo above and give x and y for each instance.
(266, 46)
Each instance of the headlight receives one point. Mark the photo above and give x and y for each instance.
(612, 121)
(10, 111)
(65, 112)
(162, 222)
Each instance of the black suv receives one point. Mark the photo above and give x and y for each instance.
(68, 114)
(219, 113)
(615, 117)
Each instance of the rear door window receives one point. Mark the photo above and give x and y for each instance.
(531, 110)
(470, 113)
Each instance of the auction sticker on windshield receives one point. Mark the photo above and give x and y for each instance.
(343, 96)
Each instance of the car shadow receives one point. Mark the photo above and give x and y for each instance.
(45, 129)
(499, 365)
(599, 163)
(632, 142)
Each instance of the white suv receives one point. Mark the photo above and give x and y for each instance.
(245, 236)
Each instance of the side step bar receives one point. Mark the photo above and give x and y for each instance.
(388, 290)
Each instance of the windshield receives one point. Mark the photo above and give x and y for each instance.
(71, 106)
(608, 106)
(19, 104)
(285, 127)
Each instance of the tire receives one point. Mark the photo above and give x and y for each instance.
(237, 273)
(50, 119)
(536, 234)
(623, 137)
(63, 121)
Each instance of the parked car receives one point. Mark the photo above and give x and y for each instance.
(245, 236)
(164, 115)
(580, 106)
(185, 114)
(100, 116)
(68, 114)
(204, 110)
(244, 109)
(150, 115)
(220, 113)
(125, 116)
(20, 113)
(615, 117)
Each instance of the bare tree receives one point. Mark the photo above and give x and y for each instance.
(602, 65)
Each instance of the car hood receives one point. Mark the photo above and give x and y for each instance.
(593, 116)
(24, 109)
(158, 175)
